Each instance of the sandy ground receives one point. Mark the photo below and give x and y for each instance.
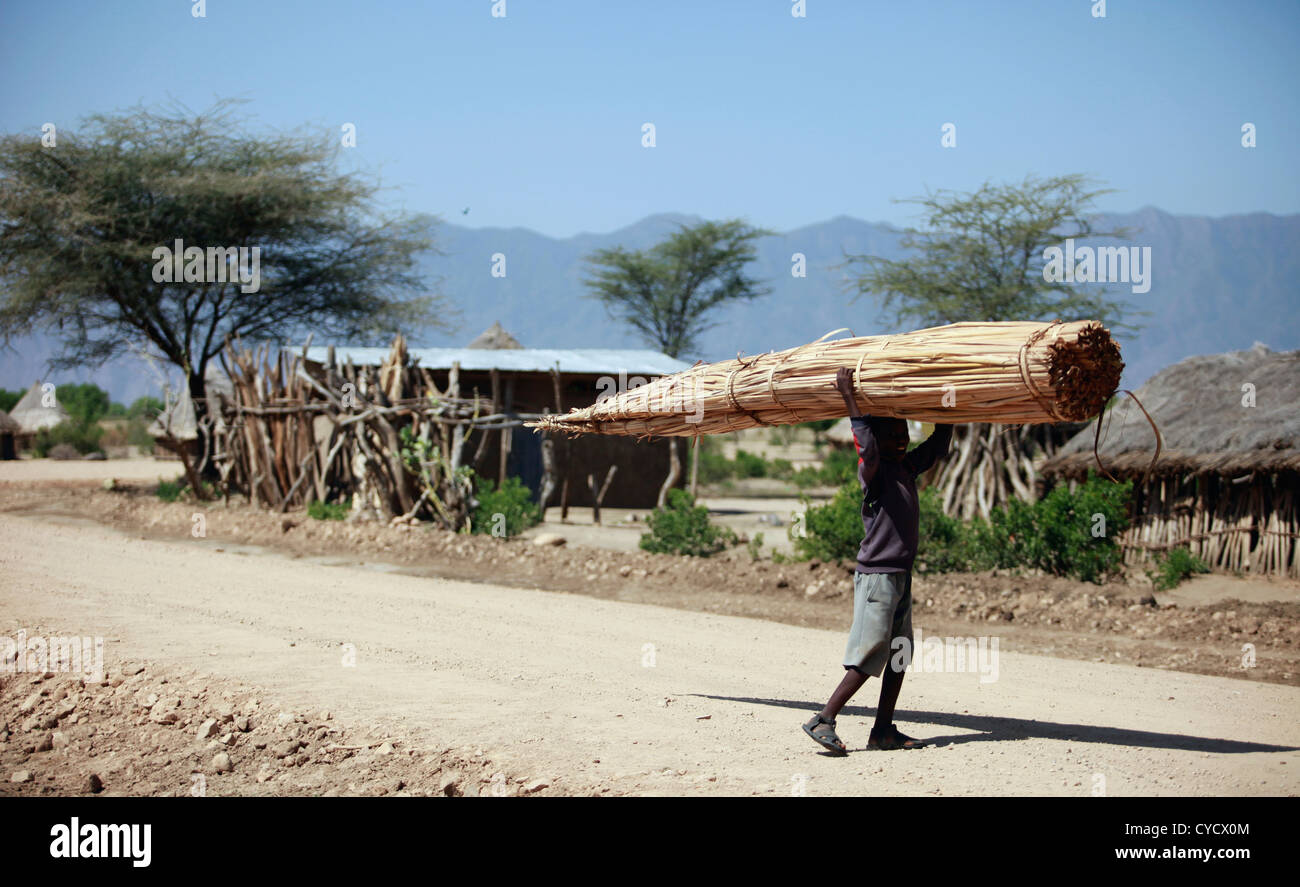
(635, 698)
(620, 529)
(81, 471)
(1215, 587)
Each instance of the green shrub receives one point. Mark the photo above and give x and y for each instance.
(170, 490)
(174, 491)
(84, 438)
(782, 435)
(780, 469)
(318, 510)
(945, 544)
(1067, 533)
(682, 527)
(750, 465)
(831, 531)
(142, 408)
(513, 501)
(137, 433)
(806, 477)
(1174, 566)
(714, 467)
(839, 466)
(755, 546)
(1010, 537)
(122, 431)
(86, 403)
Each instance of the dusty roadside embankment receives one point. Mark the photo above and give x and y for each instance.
(577, 692)
(1114, 622)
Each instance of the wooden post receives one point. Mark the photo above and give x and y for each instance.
(695, 464)
(555, 459)
(506, 433)
(548, 472)
(599, 496)
(674, 472)
(555, 382)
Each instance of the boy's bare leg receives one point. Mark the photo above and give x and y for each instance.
(891, 682)
(884, 734)
(852, 682)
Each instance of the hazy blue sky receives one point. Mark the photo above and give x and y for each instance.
(535, 119)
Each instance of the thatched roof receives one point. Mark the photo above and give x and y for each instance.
(1205, 426)
(496, 337)
(32, 416)
(8, 425)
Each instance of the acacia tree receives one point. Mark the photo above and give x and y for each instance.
(668, 292)
(81, 219)
(980, 257)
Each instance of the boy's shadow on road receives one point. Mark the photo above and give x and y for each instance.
(996, 729)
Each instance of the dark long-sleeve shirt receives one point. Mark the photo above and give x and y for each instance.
(890, 512)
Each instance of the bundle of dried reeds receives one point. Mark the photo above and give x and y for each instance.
(1009, 373)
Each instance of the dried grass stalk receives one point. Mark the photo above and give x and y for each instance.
(1011, 373)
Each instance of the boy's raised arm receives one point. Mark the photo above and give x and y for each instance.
(844, 385)
(929, 451)
(863, 437)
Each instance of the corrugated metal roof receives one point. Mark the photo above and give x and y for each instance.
(644, 362)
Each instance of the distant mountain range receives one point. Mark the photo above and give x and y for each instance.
(1217, 284)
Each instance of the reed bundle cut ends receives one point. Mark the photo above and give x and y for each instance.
(1084, 372)
(1008, 373)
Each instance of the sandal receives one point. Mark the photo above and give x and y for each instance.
(889, 739)
(822, 732)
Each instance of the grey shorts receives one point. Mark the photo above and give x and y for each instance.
(882, 611)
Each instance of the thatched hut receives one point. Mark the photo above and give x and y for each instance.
(9, 430)
(36, 411)
(495, 337)
(1225, 483)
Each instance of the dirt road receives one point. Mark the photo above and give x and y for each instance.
(636, 698)
(21, 471)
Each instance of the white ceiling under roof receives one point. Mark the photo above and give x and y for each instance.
(644, 362)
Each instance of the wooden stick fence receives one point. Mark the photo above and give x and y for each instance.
(1253, 529)
(386, 437)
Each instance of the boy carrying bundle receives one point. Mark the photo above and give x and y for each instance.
(882, 582)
